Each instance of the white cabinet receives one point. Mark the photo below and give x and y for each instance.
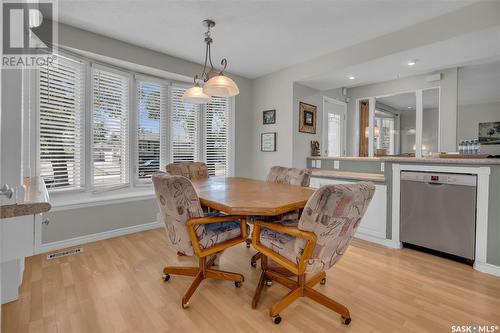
(17, 242)
(374, 223)
(17, 237)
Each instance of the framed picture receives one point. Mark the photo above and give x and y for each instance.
(268, 141)
(269, 117)
(307, 121)
(489, 133)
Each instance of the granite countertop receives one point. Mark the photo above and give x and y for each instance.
(436, 160)
(375, 177)
(36, 200)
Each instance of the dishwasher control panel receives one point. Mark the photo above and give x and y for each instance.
(440, 178)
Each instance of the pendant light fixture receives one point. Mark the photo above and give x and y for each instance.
(211, 83)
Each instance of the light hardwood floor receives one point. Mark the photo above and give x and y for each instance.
(116, 285)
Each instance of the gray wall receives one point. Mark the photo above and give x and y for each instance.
(469, 117)
(301, 141)
(84, 221)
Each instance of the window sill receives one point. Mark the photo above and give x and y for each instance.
(64, 201)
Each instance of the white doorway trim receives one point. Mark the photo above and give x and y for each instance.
(324, 135)
(483, 182)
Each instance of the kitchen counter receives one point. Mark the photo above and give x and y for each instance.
(435, 160)
(363, 176)
(36, 200)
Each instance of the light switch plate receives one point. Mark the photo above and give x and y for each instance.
(336, 164)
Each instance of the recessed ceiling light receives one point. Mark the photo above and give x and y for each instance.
(412, 62)
(410, 107)
(352, 77)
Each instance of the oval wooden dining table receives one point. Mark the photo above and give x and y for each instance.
(251, 197)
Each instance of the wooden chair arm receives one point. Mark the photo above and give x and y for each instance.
(295, 268)
(293, 231)
(218, 247)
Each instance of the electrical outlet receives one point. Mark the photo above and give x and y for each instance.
(382, 166)
(336, 164)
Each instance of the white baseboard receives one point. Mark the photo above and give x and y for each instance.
(97, 237)
(487, 268)
(378, 240)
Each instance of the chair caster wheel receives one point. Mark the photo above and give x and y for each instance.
(166, 277)
(248, 245)
(277, 319)
(253, 264)
(269, 283)
(346, 320)
(323, 281)
(185, 305)
(237, 284)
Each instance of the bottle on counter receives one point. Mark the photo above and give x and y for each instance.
(478, 147)
(461, 147)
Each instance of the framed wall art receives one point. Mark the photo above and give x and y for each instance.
(268, 142)
(269, 117)
(307, 121)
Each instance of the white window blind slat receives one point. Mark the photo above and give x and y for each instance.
(110, 139)
(61, 89)
(184, 119)
(217, 136)
(151, 98)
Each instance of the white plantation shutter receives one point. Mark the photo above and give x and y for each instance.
(61, 111)
(151, 101)
(184, 119)
(217, 136)
(110, 109)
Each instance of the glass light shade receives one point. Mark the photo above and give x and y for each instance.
(195, 95)
(221, 86)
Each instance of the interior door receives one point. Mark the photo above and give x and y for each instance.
(334, 127)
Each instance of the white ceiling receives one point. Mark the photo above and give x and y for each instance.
(453, 52)
(257, 37)
(479, 84)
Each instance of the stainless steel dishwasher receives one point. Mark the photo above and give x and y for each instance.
(438, 212)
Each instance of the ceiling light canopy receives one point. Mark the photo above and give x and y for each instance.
(210, 83)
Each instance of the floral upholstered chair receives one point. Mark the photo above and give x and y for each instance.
(190, 170)
(291, 176)
(192, 233)
(322, 236)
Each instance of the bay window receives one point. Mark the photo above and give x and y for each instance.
(101, 128)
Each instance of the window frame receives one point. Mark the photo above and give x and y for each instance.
(131, 123)
(164, 124)
(32, 80)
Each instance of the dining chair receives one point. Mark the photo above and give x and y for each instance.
(291, 176)
(193, 233)
(322, 236)
(190, 170)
